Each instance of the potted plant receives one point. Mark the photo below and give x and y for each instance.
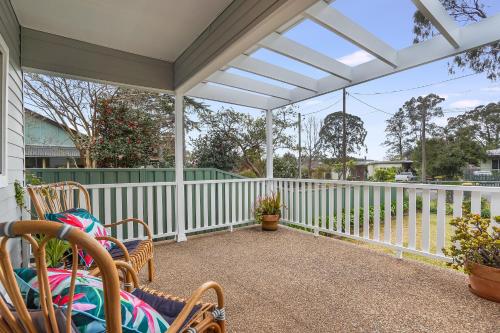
(267, 211)
(476, 248)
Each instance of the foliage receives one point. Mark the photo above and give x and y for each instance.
(74, 103)
(397, 140)
(312, 142)
(476, 241)
(247, 134)
(268, 205)
(212, 150)
(19, 194)
(285, 166)
(127, 137)
(56, 251)
(385, 174)
(332, 138)
(482, 59)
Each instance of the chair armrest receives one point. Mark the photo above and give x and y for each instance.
(133, 220)
(193, 300)
(117, 243)
(131, 280)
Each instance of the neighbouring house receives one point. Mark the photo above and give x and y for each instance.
(366, 169)
(492, 161)
(48, 144)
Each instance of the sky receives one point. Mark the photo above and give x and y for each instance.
(396, 30)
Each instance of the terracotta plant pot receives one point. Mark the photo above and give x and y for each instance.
(270, 222)
(485, 281)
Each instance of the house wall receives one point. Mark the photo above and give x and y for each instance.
(40, 132)
(486, 165)
(10, 31)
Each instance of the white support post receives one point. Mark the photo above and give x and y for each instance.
(269, 150)
(179, 167)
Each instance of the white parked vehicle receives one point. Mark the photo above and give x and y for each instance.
(482, 173)
(405, 177)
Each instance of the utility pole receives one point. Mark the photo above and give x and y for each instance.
(344, 136)
(300, 145)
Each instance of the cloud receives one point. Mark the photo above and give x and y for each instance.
(493, 88)
(466, 103)
(356, 58)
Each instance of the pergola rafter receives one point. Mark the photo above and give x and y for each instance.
(452, 40)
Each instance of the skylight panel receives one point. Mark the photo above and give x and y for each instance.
(288, 63)
(318, 38)
(249, 75)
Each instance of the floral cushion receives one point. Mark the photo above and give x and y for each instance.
(88, 302)
(86, 222)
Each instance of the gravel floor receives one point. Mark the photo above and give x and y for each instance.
(289, 281)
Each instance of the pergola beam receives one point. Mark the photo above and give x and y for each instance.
(289, 48)
(444, 23)
(343, 26)
(234, 96)
(274, 72)
(249, 84)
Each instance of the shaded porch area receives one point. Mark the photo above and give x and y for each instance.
(291, 281)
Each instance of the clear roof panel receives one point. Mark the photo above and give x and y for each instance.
(288, 63)
(320, 39)
(264, 79)
(389, 20)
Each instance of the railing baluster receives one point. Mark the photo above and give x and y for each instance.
(107, 206)
(316, 213)
(366, 212)
(159, 210)
(119, 215)
(212, 205)
(150, 203)
(239, 192)
(323, 206)
(197, 206)
(233, 204)
(331, 210)
(376, 213)
(309, 204)
(387, 214)
(399, 216)
(130, 210)
(475, 202)
(205, 205)
(356, 210)
(412, 218)
(426, 220)
(339, 208)
(252, 198)
(140, 209)
(95, 203)
(347, 214)
(458, 198)
(441, 221)
(220, 200)
(189, 207)
(169, 211)
(244, 187)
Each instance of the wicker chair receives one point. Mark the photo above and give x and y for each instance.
(59, 197)
(193, 316)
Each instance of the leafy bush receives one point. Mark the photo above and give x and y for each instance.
(385, 174)
(474, 241)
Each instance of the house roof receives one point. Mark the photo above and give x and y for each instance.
(493, 152)
(372, 162)
(47, 151)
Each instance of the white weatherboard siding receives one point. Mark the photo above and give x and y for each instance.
(9, 30)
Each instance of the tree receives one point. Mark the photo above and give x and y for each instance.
(73, 103)
(420, 112)
(482, 124)
(285, 166)
(482, 59)
(212, 150)
(397, 135)
(248, 134)
(127, 137)
(312, 141)
(331, 134)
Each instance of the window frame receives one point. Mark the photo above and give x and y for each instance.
(4, 105)
(497, 160)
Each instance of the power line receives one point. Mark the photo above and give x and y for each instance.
(417, 87)
(370, 106)
(323, 109)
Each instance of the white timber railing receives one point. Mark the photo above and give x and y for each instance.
(417, 221)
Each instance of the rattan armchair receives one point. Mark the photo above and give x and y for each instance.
(59, 197)
(193, 316)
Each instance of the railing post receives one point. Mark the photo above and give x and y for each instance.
(269, 151)
(179, 167)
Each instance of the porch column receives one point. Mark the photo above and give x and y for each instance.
(179, 166)
(269, 150)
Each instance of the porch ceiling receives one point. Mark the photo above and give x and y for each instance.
(160, 29)
(254, 91)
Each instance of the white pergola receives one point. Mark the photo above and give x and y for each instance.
(226, 87)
